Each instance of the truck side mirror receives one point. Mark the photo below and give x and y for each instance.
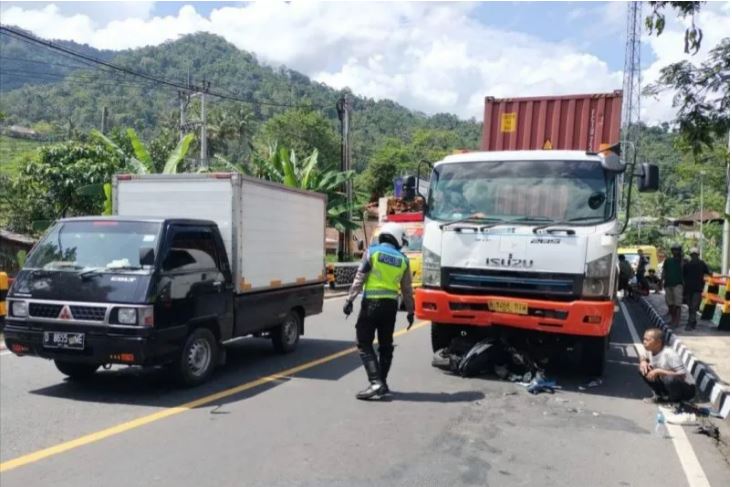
(409, 188)
(147, 256)
(648, 180)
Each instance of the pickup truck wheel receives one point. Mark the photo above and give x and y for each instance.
(594, 351)
(198, 358)
(286, 336)
(76, 371)
(442, 335)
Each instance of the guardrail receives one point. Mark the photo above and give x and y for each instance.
(341, 274)
(715, 301)
(4, 286)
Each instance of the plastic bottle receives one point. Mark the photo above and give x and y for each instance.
(660, 427)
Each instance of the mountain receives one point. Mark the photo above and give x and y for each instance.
(55, 93)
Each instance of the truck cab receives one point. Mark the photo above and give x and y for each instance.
(104, 290)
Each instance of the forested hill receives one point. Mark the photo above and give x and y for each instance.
(40, 85)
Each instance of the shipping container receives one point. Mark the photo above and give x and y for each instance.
(572, 122)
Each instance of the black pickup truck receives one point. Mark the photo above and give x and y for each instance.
(143, 291)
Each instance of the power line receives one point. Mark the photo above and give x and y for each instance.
(131, 72)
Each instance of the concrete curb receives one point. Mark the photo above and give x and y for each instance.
(335, 295)
(706, 380)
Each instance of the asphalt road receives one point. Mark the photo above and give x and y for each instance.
(287, 420)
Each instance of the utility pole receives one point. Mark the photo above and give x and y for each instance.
(701, 216)
(204, 141)
(105, 115)
(725, 231)
(344, 238)
(182, 99)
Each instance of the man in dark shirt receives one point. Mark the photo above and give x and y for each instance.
(673, 284)
(694, 272)
(640, 271)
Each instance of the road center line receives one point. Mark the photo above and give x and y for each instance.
(165, 413)
(693, 470)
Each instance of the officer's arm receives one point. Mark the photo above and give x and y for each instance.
(360, 279)
(406, 286)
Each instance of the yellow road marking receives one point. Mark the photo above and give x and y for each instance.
(150, 418)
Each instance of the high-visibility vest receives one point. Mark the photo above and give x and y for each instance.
(388, 266)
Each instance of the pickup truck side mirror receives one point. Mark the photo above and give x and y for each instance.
(147, 256)
(360, 245)
(648, 180)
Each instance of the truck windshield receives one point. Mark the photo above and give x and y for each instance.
(102, 245)
(529, 191)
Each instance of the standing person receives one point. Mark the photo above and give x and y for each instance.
(384, 271)
(693, 276)
(626, 272)
(640, 271)
(672, 280)
(663, 370)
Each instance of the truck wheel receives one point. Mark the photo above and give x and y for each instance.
(594, 351)
(198, 358)
(286, 336)
(76, 371)
(442, 335)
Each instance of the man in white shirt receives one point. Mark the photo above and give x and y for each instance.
(663, 370)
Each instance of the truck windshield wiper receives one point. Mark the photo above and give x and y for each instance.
(95, 271)
(471, 219)
(565, 222)
(92, 272)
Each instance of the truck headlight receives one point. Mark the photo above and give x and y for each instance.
(127, 316)
(430, 268)
(19, 309)
(601, 267)
(595, 287)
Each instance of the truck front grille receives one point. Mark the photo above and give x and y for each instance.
(42, 310)
(88, 313)
(512, 283)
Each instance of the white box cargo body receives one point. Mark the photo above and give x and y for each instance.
(274, 235)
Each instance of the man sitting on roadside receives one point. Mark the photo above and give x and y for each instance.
(663, 370)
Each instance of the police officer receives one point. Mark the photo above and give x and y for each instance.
(384, 271)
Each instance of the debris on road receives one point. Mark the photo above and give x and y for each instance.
(591, 384)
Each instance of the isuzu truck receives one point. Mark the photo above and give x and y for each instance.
(523, 235)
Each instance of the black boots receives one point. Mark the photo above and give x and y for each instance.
(376, 388)
(384, 366)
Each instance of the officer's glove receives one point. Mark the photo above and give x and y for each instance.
(348, 308)
(410, 320)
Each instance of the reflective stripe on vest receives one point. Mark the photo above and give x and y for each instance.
(387, 268)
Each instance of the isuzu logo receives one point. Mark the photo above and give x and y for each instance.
(509, 262)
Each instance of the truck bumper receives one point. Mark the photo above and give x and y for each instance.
(100, 347)
(588, 318)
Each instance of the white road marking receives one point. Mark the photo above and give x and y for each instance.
(693, 470)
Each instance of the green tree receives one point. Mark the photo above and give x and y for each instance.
(302, 131)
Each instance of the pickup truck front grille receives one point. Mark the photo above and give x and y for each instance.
(43, 310)
(512, 283)
(88, 313)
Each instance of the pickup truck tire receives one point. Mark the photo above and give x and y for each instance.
(442, 335)
(594, 351)
(286, 336)
(198, 358)
(76, 371)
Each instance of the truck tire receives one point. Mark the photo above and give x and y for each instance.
(594, 351)
(286, 336)
(198, 358)
(75, 370)
(442, 335)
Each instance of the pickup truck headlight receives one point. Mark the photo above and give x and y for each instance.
(127, 316)
(597, 277)
(19, 309)
(430, 268)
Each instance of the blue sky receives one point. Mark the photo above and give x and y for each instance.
(432, 57)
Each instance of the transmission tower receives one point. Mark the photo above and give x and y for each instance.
(632, 75)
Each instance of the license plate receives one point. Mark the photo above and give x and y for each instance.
(57, 339)
(513, 307)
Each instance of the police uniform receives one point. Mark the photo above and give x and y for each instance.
(383, 274)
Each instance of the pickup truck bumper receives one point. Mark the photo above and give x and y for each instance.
(101, 345)
(584, 318)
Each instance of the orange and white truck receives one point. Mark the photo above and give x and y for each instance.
(523, 234)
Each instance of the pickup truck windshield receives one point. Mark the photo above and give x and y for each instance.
(532, 191)
(101, 245)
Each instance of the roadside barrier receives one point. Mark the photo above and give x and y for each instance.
(4, 285)
(341, 274)
(715, 301)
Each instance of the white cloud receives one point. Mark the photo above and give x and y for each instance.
(429, 57)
